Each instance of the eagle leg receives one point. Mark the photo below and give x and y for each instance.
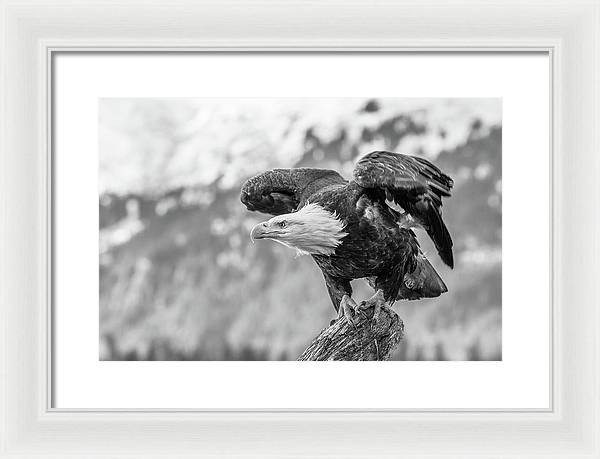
(347, 309)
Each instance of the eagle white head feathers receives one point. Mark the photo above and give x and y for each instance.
(310, 230)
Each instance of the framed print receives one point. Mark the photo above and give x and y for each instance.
(235, 234)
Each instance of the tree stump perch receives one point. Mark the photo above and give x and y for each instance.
(368, 341)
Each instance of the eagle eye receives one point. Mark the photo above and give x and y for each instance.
(282, 224)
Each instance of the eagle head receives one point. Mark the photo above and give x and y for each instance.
(310, 230)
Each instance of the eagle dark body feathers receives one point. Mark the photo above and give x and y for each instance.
(376, 246)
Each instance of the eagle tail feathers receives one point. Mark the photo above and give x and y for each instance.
(423, 282)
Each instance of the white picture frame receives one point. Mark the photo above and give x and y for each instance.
(32, 31)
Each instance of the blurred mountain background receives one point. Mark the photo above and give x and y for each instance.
(179, 278)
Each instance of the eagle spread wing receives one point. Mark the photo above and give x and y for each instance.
(281, 191)
(414, 184)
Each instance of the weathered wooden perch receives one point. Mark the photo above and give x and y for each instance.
(368, 341)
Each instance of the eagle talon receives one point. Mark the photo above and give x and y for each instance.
(359, 309)
(376, 312)
(348, 308)
(377, 301)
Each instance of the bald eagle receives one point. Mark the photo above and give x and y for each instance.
(362, 228)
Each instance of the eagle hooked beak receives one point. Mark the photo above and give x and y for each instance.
(260, 231)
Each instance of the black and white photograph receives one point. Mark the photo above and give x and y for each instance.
(244, 229)
(299, 229)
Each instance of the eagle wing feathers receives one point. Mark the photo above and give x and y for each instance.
(409, 174)
(281, 191)
(416, 185)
